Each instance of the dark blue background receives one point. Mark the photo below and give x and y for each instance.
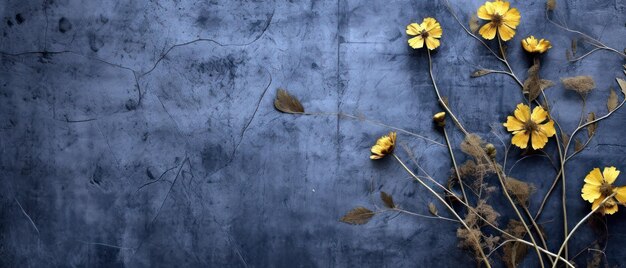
(84, 126)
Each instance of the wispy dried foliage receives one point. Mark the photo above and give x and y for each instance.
(387, 200)
(534, 85)
(514, 252)
(520, 190)
(469, 239)
(287, 103)
(582, 84)
(358, 216)
(473, 145)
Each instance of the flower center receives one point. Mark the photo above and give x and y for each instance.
(530, 126)
(424, 34)
(497, 19)
(606, 189)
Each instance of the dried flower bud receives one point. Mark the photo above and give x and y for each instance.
(440, 118)
(491, 150)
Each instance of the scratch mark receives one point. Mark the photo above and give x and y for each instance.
(267, 25)
(27, 216)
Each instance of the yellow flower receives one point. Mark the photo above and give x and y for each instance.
(429, 30)
(537, 127)
(440, 118)
(532, 45)
(600, 185)
(501, 18)
(384, 146)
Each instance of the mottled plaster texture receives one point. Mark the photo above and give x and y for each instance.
(142, 133)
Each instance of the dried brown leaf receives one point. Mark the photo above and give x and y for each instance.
(534, 85)
(574, 46)
(479, 73)
(387, 199)
(551, 5)
(520, 190)
(433, 209)
(358, 216)
(591, 128)
(474, 23)
(578, 146)
(564, 137)
(582, 84)
(514, 252)
(611, 103)
(287, 103)
(622, 84)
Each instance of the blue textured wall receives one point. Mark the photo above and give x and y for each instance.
(128, 145)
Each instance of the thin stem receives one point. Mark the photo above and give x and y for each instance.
(519, 215)
(506, 62)
(543, 241)
(478, 246)
(591, 40)
(374, 122)
(423, 216)
(578, 225)
(445, 106)
(476, 212)
(456, 168)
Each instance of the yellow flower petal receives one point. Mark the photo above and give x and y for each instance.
(490, 8)
(520, 139)
(610, 174)
(539, 115)
(548, 128)
(429, 24)
(505, 32)
(483, 13)
(384, 146)
(596, 203)
(620, 194)
(538, 139)
(532, 45)
(413, 29)
(436, 32)
(610, 207)
(501, 7)
(511, 18)
(543, 46)
(432, 43)
(416, 42)
(488, 31)
(594, 177)
(590, 192)
(513, 124)
(522, 112)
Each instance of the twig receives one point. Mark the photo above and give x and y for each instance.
(563, 245)
(456, 168)
(374, 122)
(480, 249)
(445, 106)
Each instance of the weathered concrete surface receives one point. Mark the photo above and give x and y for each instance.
(127, 144)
